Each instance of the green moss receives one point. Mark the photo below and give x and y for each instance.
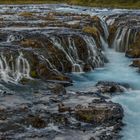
(85, 116)
(91, 30)
(34, 74)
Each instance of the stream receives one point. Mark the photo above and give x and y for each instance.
(117, 70)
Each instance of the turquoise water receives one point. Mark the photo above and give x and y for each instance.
(118, 70)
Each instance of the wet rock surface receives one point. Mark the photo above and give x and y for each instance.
(111, 87)
(40, 45)
(136, 63)
(51, 114)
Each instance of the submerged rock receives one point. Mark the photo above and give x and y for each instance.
(111, 87)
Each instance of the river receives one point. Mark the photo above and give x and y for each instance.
(118, 70)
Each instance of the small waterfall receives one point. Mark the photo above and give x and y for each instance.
(76, 68)
(124, 37)
(95, 57)
(50, 65)
(119, 43)
(135, 35)
(70, 52)
(127, 39)
(13, 70)
(103, 43)
(104, 26)
(74, 54)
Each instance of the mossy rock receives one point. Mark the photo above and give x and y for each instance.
(36, 122)
(91, 30)
(133, 53)
(34, 74)
(85, 116)
(136, 63)
(112, 32)
(95, 18)
(26, 14)
(87, 68)
(34, 43)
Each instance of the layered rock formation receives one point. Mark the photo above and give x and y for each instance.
(51, 51)
(124, 35)
(39, 47)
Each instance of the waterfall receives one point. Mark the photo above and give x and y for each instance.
(122, 39)
(22, 68)
(74, 54)
(13, 70)
(119, 43)
(95, 57)
(104, 26)
(70, 52)
(103, 43)
(94, 54)
(127, 39)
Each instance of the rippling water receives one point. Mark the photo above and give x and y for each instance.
(118, 70)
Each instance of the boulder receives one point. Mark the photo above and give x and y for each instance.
(136, 63)
(111, 87)
(98, 113)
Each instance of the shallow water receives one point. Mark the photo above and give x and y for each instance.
(118, 70)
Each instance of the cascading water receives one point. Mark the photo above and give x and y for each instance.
(95, 57)
(104, 26)
(122, 39)
(119, 41)
(14, 70)
(70, 52)
(118, 70)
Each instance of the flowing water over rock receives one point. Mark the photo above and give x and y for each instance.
(46, 47)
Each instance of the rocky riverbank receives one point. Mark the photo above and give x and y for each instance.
(57, 113)
(41, 45)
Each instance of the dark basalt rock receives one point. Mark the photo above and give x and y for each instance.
(57, 89)
(70, 43)
(63, 108)
(98, 113)
(35, 121)
(136, 63)
(111, 87)
(133, 53)
(33, 115)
